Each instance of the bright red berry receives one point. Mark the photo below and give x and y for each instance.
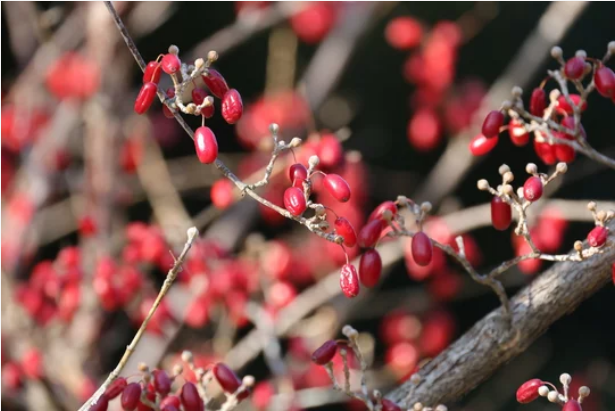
(146, 97)
(574, 68)
(370, 233)
(501, 214)
(379, 211)
(170, 63)
(564, 152)
(116, 387)
(32, 364)
(215, 83)
(424, 130)
(152, 72)
(162, 382)
(370, 268)
(563, 105)
(349, 281)
(325, 353)
(313, 22)
(190, 398)
(528, 391)
(597, 236)
(481, 145)
(232, 106)
(345, 229)
(330, 151)
(545, 151)
(222, 193)
(492, 124)
(538, 102)
(404, 33)
(337, 187)
(206, 145)
(297, 174)
(102, 404)
(294, 201)
(572, 405)
(604, 78)
(422, 249)
(517, 132)
(388, 405)
(131, 396)
(532, 189)
(228, 380)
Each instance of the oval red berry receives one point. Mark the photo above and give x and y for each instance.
(538, 102)
(532, 189)
(146, 97)
(216, 83)
(501, 214)
(337, 187)
(492, 124)
(379, 211)
(297, 174)
(422, 249)
(170, 63)
(574, 68)
(325, 353)
(481, 145)
(597, 237)
(346, 230)
(517, 132)
(190, 398)
(370, 268)
(228, 380)
(349, 281)
(528, 391)
(294, 201)
(604, 78)
(116, 387)
(131, 396)
(232, 106)
(206, 145)
(370, 233)
(152, 72)
(162, 382)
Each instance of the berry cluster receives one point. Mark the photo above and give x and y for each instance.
(534, 388)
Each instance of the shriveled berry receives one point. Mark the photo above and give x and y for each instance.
(517, 132)
(345, 229)
(370, 268)
(378, 212)
(190, 398)
(294, 201)
(116, 387)
(349, 281)
(232, 106)
(388, 405)
(532, 189)
(597, 236)
(501, 214)
(162, 382)
(604, 78)
(325, 353)
(152, 72)
(170, 63)
(422, 249)
(528, 391)
(146, 97)
(206, 145)
(562, 103)
(216, 83)
(574, 68)
(492, 124)
(481, 145)
(330, 151)
(297, 174)
(131, 396)
(370, 233)
(337, 187)
(228, 380)
(222, 193)
(572, 405)
(102, 404)
(404, 33)
(538, 102)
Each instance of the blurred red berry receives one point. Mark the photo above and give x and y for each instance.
(404, 33)
(222, 193)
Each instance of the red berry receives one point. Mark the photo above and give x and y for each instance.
(232, 106)
(215, 83)
(563, 105)
(294, 201)
(313, 22)
(545, 151)
(564, 152)
(206, 145)
(572, 405)
(297, 174)
(169, 407)
(330, 151)
(597, 236)
(404, 33)
(492, 124)
(345, 229)
(528, 391)
(337, 187)
(604, 78)
(87, 226)
(165, 109)
(325, 353)
(146, 97)
(379, 211)
(152, 72)
(32, 364)
(370, 268)
(532, 189)
(388, 405)
(481, 145)
(150, 394)
(370, 233)
(170, 63)
(172, 400)
(101, 405)
(574, 68)
(116, 387)
(222, 193)
(228, 380)
(538, 102)
(501, 214)
(569, 123)
(11, 376)
(190, 398)
(422, 249)
(349, 281)
(198, 96)
(517, 132)
(424, 130)
(131, 396)
(162, 382)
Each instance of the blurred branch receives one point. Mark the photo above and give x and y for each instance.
(23, 28)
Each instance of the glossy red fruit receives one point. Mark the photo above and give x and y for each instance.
(330, 151)
(170, 63)
(604, 78)
(297, 174)
(572, 405)
(232, 106)
(574, 68)
(532, 189)
(131, 396)
(501, 214)
(538, 102)
(150, 394)
(312, 23)
(424, 130)
(294, 201)
(545, 151)
(198, 96)
(564, 152)
(346, 230)
(481, 145)
(388, 405)
(216, 83)
(190, 398)
(146, 97)
(597, 236)
(222, 193)
(162, 382)
(422, 249)
(102, 404)
(172, 400)
(165, 109)
(378, 212)
(116, 387)
(337, 187)
(228, 380)
(370, 233)
(517, 132)
(492, 124)
(325, 353)
(403, 33)
(528, 391)
(370, 268)
(562, 103)
(152, 72)
(206, 145)
(349, 281)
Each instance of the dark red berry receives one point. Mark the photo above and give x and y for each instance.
(297, 174)
(198, 96)
(597, 236)
(501, 214)
(172, 400)
(216, 83)
(150, 395)
(564, 152)
(604, 78)
(165, 109)
(569, 123)
(528, 391)
(481, 145)
(294, 201)
(337, 187)
(379, 211)
(532, 189)
(562, 103)
(422, 249)
(206, 145)
(169, 407)
(370, 233)
(170, 63)
(162, 382)
(349, 281)
(330, 151)
(538, 102)
(388, 405)
(146, 97)
(345, 229)
(370, 268)
(102, 404)
(572, 405)
(228, 380)
(325, 353)
(190, 398)
(517, 132)
(232, 106)
(152, 72)
(131, 396)
(116, 387)
(574, 68)
(492, 124)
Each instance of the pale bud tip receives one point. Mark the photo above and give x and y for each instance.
(565, 379)
(212, 55)
(561, 168)
(173, 49)
(543, 391)
(557, 52)
(482, 185)
(531, 168)
(248, 381)
(192, 233)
